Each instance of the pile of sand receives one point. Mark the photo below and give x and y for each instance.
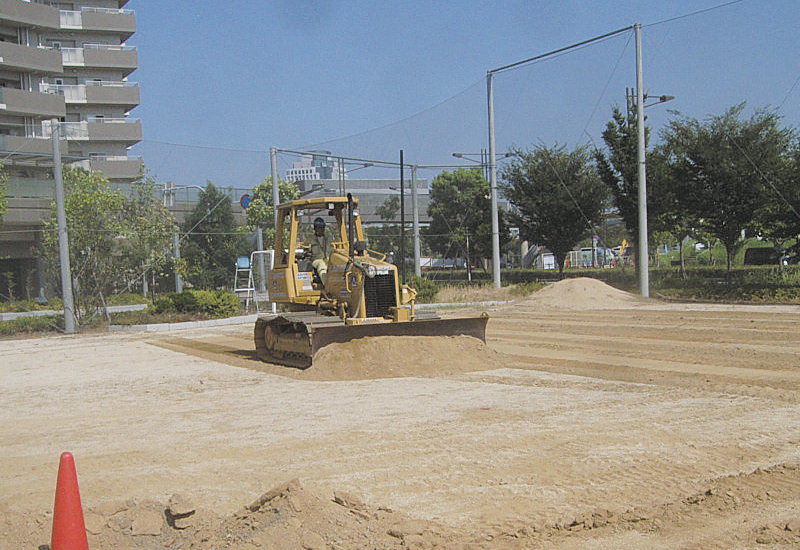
(288, 517)
(582, 293)
(400, 356)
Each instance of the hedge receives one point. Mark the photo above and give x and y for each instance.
(214, 303)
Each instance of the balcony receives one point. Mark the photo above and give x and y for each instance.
(28, 14)
(30, 146)
(35, 104)
(118, 21)
(30, 59)
(125, 94)
(102, 56)
(127, 131)
(118, 168)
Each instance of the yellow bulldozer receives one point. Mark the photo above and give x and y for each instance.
(354, 293)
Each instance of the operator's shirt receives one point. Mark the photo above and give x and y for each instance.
(320, 248)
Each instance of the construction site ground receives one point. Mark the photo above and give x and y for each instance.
(591, 419)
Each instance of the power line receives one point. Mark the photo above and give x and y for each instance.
(410, 117)
(789, 93)
(692, 14)
(205, 147)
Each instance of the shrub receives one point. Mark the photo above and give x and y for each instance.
(525, 289)
(426, 289)
(126, 299)
(28, 325)
(213, 303)
(217, 303)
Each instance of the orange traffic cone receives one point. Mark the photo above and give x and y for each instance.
(69, 531)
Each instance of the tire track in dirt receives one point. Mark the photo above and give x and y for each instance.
(750, 353)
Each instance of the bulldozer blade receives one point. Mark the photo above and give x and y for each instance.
(294, 339)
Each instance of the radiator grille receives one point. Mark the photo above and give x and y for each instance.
(379, 294)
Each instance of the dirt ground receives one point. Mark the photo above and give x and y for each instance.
(591, 419)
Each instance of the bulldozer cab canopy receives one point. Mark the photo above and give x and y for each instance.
(295, 229)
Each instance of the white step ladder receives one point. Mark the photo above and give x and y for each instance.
(251, 285)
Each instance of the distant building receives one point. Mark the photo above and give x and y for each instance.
(372, 194)
(318, 165)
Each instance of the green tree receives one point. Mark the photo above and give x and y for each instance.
(778, 218)
(385, 237)
(619, 172)
(557, 196)
(148, 231)
(389, 209)
(722, 167)
(460, 211)
(95, 221)
(211, 241)
(261, 212)
(112, 238)
(671, 222)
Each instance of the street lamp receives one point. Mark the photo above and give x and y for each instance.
(660, 99)
(343, 172)
(484, 162)
(639, 102)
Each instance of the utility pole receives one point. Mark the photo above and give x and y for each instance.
(417, 268)
(176, 243)
(402, 223)
(276, 189)
(262, 270)
(63, 240)
(644, 275)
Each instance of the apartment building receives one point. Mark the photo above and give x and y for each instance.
(316, 165)
(64, 61)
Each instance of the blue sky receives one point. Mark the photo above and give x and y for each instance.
(221, 82)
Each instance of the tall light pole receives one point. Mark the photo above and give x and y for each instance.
(644, 264)
(493, 183)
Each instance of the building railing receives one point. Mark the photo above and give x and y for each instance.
(72, 19)
(110, 47)
(110, 120)
(71, 56)
(74, 56)
(103, 156)
(77, 92)
(111, 83)
(80, 130)
(106, 10)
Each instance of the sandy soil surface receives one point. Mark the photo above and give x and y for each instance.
(590, 419)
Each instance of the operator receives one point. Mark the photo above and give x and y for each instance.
(320, 250)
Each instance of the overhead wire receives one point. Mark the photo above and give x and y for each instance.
(692, 14)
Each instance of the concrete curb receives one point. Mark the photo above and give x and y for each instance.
(39, 313)
(166, 327)
(244, 319)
